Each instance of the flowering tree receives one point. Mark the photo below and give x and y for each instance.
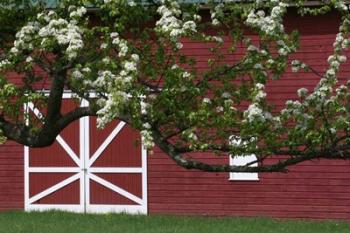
(129, 55)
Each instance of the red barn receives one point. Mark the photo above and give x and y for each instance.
(104, 171)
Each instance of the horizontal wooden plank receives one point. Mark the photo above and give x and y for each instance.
(337, 196)
(244, 213)
(11, 186)
(256, 187)
(243, 201)
(11, 205)
(223, 181)
(19, 180)
(249, 207)
(11, 167)
(11, 173)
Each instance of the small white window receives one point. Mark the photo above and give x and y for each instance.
(241, 161)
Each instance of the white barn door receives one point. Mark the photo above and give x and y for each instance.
(86, 169)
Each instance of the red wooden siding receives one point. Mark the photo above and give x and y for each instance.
(319, 189)
(316, 189)
(11, 176)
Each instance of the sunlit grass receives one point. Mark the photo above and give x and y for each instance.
(54, 222)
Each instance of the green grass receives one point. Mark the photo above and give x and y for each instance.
(54, 222)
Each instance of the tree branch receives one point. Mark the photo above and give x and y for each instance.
(281, 166)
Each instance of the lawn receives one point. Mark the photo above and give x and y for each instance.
(54, 222)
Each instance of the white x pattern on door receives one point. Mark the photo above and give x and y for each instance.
(84, 172)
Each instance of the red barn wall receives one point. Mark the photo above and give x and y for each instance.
(315, 189)
(11, 176)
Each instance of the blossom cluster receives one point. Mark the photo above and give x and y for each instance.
(297, 66)
(65, 32)
(117, 87)
(4, 63)
(146, 135)
(326, 84)
(25, 38)
(170, 23)
(120, 43)
(216, 14)
(260, 92)
(50, 27)
(255, 111)
(268, 24)
(322, 98)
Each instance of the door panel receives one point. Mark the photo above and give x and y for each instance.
(99, 194)
(69, 194)
(116, 168)
(52, 156)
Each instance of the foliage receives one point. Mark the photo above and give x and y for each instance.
(129, 54)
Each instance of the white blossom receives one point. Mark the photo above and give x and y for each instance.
(253, 48)
(77, 74)
(217, 13)
(146, 125)
(219, 109)
(86, 70)
(215, 22)
(147, 139)
(114, 35)
(302, 92)
(135, 57)
(79, 12)
(225, 95)
(4, 63)
(260, 92)
(103, 46)
(297, 65)
(186, 74)
(206, 100)
(258, 66)
(189, 26)
(130, 66)
(342, 59)
(179, 45)
(217, 39)
(253, 113)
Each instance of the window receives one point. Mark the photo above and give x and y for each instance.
(241, 161)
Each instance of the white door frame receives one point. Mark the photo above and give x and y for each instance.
(84, 172)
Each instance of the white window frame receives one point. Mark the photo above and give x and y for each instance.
(242, 160)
